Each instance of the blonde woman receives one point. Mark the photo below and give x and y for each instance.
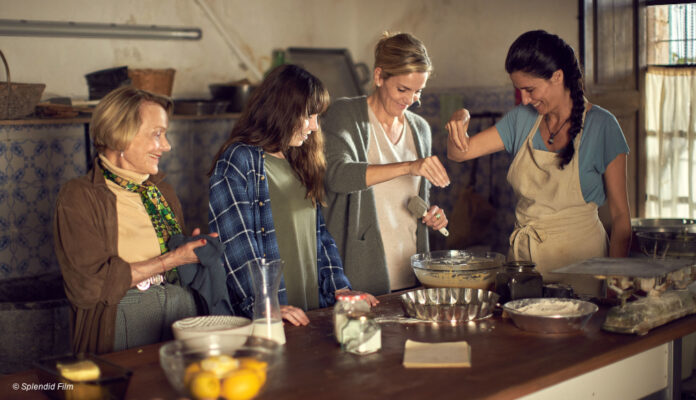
(379, 156)
(112, 226)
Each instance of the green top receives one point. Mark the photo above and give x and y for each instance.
(295, 220)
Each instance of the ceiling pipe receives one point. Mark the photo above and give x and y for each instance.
(95, 30)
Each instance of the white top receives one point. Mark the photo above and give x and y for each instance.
(397, 225)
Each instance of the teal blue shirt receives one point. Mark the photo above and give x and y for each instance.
(602, 141)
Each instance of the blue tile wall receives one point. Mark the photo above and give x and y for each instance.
(194, 144)
(35, 160)
(493, 201)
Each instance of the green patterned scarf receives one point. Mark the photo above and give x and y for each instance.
(161, 215)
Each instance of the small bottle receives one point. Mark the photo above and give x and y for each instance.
(277, 58)
(354, 327)
(518, 280)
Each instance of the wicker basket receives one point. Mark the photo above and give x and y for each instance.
(158, 81)
(18, 100)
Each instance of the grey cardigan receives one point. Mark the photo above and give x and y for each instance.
(351, 213)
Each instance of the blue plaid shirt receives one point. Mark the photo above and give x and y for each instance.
(239, 210)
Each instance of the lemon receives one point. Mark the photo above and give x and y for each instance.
(205, 385)
(190, 372)
(258, 366)
(220, 365)
(241, 384)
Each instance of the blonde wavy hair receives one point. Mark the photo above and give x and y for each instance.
(401, 53)
(116, 119)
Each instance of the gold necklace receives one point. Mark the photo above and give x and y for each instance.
(553, 134)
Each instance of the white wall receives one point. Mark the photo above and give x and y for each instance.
(467, 39)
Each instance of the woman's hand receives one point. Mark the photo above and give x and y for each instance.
(457, 127)
(294, 315)
(431, 169)
(371, 300)
(435, 218)
(185, 254)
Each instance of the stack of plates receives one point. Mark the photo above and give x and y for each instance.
(211, 325)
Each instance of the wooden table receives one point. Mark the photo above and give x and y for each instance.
(506, 362)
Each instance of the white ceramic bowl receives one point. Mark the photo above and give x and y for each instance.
(211, 325)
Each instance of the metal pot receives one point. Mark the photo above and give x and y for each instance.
(658, 225)
(236, 93)
(199, 107)
(663, 225)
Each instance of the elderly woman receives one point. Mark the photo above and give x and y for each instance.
(112, 226)
(569, 159)
(379, 156)
(266, 193)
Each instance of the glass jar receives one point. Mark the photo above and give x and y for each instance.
(354, 327)
(361, 334)
(518, 280)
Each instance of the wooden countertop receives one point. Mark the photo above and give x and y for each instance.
(506, 362)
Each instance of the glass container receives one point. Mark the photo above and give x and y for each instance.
(267, 320)
(354, 327)
(518, 280)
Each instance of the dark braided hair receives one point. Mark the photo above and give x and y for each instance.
(540, 54)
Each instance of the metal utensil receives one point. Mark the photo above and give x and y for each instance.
(451, 305)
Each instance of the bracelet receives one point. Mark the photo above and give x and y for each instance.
(162, 262)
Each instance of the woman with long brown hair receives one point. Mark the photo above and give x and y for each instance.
(266, 192)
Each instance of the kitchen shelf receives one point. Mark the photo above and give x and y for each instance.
(86, 119)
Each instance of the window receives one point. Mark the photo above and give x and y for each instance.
(671, 34)
(670, 111)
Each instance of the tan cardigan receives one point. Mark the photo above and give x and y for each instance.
(86, 243)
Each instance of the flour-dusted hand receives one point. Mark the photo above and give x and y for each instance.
(457, 127)
(431, 169)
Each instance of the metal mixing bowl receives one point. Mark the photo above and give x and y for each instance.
(550, 315)
(449, 304)
(457, 268)
(667, 244)
(663, 225)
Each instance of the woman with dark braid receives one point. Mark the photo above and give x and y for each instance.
(569, 158)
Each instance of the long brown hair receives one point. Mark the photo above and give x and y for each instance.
(274, 113)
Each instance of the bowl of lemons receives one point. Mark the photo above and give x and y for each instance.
(231, 367)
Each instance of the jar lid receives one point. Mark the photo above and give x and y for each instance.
(520, 264)
(351, 295)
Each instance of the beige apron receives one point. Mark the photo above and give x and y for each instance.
(555, 227)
